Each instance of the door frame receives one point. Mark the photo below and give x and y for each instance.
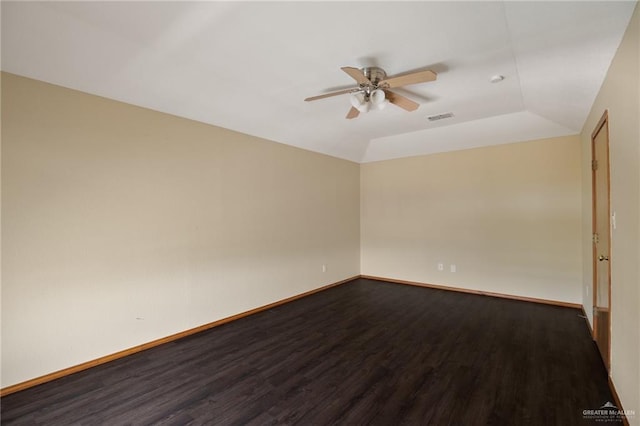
(604, 120)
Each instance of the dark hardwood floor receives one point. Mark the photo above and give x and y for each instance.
(365, 352)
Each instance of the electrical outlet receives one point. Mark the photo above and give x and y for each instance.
(452, 268)
(440, 266)
(324, 268)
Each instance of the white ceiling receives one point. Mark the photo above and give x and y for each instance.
(247, 66)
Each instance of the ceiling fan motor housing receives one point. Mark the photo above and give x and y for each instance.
(374, 74)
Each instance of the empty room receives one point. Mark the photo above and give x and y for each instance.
(320, 213)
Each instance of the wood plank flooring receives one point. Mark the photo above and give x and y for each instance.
(366, 352)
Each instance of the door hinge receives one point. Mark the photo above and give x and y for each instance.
(594, 165)
(595, 238)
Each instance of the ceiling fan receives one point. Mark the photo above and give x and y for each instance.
(373, 89)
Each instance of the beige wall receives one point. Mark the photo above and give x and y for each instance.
(620, 95)
(121, 225)
(507, 216)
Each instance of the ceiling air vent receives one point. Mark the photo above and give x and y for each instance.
(440, 116)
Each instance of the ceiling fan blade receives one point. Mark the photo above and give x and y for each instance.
(327, 95)
(406, 79)
(353, 113)
(356, 74)
(401, 101)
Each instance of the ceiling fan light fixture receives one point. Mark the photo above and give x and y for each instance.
(377, 97)
(357, 99)
(381, 105)
(360, 102)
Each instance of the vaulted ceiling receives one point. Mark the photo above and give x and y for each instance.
(247, 66)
